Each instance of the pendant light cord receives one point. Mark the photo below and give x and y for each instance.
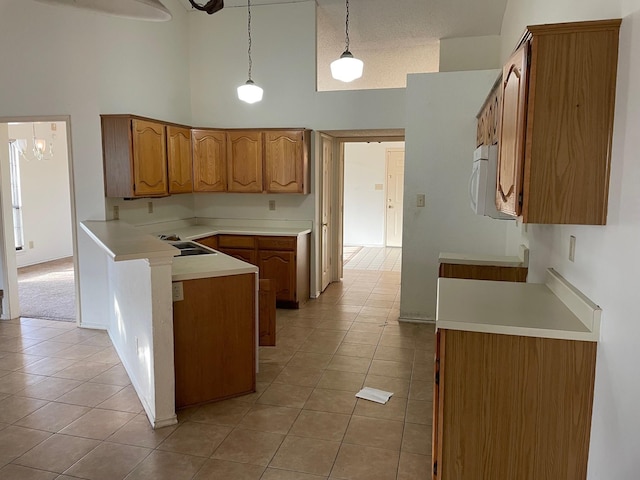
(347, 28)
(249, 29)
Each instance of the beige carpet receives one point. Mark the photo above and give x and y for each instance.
(47, 290)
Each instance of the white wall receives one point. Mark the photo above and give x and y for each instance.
(470, 53)
(440, 139)
(606, 262)
(364, 206)
(46, 200)
(64, 61)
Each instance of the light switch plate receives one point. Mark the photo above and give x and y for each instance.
(178, 291)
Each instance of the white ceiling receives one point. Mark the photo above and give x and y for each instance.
(399, 23)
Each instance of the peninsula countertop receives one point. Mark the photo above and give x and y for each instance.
(554, 309)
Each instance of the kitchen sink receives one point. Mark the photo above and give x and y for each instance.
(192, 248)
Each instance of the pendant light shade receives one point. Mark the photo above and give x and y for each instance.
(347, 68)
(151, 10)
(250, 92)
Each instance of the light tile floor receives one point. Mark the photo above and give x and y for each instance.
(68, 411)
(387, 259)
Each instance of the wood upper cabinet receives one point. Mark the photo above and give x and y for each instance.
(557, 123)
(286, 163)
(244, 161)
(511, 407)
(209, 160)
(511, 145)
(179, 159)
(135, 157)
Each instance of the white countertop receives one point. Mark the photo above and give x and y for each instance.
(194, 232)
(494, 260)
(551, 310)
(122, 242)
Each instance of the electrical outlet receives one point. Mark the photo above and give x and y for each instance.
(116, 212)
(178, 291)
(150, 206)
(30, 243)
(420, 200)
(572, 248)
(272, 204)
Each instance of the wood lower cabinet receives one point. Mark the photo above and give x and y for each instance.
(283, 260)
(179, 163)
(134, 157)
(267, 314)
(209, 160)
(286, 162)
(244, 161)
(214, 339)
(211, 242)
(279, 267)
(483, 272)
(556, 123)
(511, 407)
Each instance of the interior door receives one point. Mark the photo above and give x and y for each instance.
(327, 191)
(395, 190)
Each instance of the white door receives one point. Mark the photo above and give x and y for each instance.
(327, 191)
(395, 188)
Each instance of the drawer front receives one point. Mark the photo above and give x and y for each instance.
(243, 254)
(211, 241)
(277, 243)
(236, 241)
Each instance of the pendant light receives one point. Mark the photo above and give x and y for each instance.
(347, 68)
(151, 10)
(249, 92)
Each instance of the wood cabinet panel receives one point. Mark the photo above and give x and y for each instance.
(279, 267)
(244, 161)
(277, 243)
(246, 255)
(237, 241)
(267, 315)
(180, 165)
(209, 160)
(214, 339)
(134, 157)
(555, 153)
(483, 272)
(286, 161)
(149, 158)
(489, 118)
(511, 145)
(513, 407)
(211, 242)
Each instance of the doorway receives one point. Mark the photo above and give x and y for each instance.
(38, 220)
(342, 248)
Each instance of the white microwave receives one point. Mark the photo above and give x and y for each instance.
(482, 184)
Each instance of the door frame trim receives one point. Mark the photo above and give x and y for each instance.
(337, 195)
(10, 275)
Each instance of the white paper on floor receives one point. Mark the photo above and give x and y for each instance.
(375, 395)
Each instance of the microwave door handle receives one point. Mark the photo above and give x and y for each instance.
(474, 176)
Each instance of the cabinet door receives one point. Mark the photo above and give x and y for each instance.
(211, 242)
(149, 158)
(209, 161)
(281, 267)
(245, 255)
(179, 159)
(512, 133)
(285, 161)
(244, 161)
